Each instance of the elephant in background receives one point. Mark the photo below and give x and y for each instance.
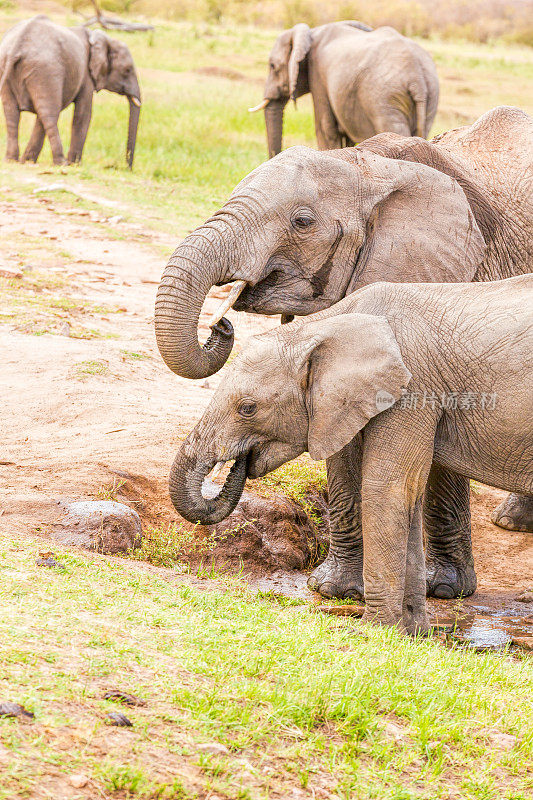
(45, 67)
(307, 228)
(362, 81)
(351, 371)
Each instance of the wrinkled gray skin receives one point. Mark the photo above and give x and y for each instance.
(45, 67)
(307, 228)
(362, 82)
(315, 384)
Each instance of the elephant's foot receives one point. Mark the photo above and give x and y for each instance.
(515, 514)
(334, 578)
(446, 580)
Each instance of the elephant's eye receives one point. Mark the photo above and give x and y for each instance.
(247, 408)
(302, 221)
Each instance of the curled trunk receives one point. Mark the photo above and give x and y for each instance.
(133, 124)
(185, 483)
(274, 125)
(188, 277)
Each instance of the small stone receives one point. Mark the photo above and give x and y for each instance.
(115, 220)
(342, 611)
(213, 748)
(102, 525)
(124, 697)
(118, 719)
(525, 642)
(78, 780)
(8, 709)
(525, 597)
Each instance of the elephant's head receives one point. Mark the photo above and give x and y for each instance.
(307, 386)
(303, 230)
(288, 76)
(111, 67)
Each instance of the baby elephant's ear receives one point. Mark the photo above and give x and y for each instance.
(99, 65)
(355, 371)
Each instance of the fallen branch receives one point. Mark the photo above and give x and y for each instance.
(113, 23)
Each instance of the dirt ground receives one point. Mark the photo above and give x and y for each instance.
(77, 410)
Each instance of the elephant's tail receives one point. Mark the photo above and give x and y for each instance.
(419, 94)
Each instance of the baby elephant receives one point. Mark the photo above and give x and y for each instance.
(45, 67)
(425, 372)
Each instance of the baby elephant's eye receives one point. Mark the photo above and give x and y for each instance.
(302, 221)
(247, 408)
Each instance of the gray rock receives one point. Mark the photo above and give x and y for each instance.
(102, 525)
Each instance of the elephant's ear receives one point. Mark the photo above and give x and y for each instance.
(353, 370)
(420, 226)
(99, 59)
(301, 44)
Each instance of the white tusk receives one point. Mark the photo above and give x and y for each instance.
(226, 304)
(262, 104)
(135, 101)
(217, 469)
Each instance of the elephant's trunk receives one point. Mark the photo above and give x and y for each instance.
(133, 123)
(186, 479)
(187, 278)
(274, 125)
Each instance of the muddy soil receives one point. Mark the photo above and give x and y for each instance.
(78, 412)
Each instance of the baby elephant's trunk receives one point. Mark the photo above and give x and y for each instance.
(186, 480)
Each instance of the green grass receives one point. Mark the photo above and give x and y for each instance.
(298, 699)
(91, 367)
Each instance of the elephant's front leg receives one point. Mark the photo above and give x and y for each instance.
(394, 569)
(449, 559)
(341, 574)
(80, 123)
(397, 455)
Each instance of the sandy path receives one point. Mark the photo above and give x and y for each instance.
(63, 430)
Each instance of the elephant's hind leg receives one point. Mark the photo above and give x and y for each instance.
(515, 513)
(35, 144)
(12, 115)
(449, 559)
(341, 574)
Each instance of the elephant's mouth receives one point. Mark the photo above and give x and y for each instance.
(281, 292)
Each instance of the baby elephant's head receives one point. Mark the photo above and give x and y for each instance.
(306, 386)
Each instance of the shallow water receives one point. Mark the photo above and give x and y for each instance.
(486, 621)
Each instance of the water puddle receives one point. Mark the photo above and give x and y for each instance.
(488, 621)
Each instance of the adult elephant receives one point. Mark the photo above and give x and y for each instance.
(362, 81)
(307, 228)
(45, 67)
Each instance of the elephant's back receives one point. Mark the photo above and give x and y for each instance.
(498, 149)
